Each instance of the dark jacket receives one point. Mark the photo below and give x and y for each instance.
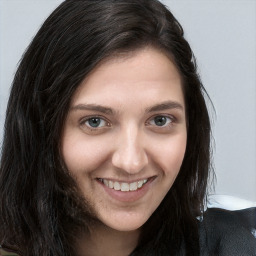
(228, 233)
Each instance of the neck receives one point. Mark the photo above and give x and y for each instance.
(105, 241)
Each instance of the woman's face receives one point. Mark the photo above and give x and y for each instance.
(125, 137)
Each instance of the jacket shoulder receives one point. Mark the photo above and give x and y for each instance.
(225, 232)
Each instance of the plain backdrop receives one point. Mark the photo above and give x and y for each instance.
(222, 34)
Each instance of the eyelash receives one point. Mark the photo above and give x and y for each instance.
(168, 124)
(87, 119)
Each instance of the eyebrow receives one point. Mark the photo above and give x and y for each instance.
(166, 105)
(94, 107)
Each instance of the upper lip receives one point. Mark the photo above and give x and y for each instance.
(128, 181)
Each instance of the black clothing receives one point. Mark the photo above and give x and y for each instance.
(228, 233)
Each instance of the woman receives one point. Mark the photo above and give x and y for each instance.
(107, 139)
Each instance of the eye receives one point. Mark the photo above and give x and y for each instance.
(161, 121)
(95, 122)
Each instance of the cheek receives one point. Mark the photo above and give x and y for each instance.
(82, 154)
(169, 154)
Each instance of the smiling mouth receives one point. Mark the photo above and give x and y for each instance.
(123, 186)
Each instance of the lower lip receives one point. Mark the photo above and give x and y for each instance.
(127, 196)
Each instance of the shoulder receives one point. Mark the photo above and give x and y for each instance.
(224, 232)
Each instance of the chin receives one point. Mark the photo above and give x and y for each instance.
(126, 223)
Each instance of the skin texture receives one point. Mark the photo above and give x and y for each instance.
(127, 145)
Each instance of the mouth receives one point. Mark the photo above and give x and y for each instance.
(124, 186)
(126, 192)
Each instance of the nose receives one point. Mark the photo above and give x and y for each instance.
(129, 154)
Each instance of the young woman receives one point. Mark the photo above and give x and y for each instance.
(107, 140)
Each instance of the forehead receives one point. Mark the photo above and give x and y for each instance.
(147, 73)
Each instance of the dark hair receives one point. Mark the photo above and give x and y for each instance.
(38, 200)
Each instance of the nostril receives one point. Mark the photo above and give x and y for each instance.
(130, 162)
(130, 154)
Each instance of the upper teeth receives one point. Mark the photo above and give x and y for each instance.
(123, 186)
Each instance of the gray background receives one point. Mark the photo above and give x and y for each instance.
(222, 34)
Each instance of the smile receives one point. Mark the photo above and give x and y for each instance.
(123, 186)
